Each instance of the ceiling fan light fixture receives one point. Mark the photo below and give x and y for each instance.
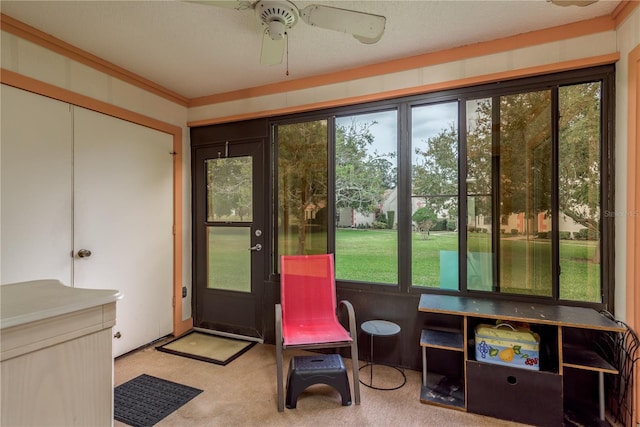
(276, 29)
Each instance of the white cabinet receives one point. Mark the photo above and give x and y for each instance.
(55, 357)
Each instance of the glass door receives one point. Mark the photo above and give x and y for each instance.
(229, 240)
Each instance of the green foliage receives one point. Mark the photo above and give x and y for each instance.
(302, 176)
(522, 147)
(436, 172)
(586, 234)
(229, 188)
(362, 175)
(423, 214)
(391, 216)
(579, 154)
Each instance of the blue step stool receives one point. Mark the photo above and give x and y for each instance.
(305, 371)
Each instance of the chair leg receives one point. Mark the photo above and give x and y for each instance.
(353, 331)
(279, 360)
(356, 371)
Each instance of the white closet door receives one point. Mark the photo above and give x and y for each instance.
(36, 174)
(123, 214)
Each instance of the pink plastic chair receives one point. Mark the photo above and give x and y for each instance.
(306, 317)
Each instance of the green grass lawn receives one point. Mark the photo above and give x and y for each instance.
(371, 256)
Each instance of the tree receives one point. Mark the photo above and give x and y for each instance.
(362, 175)
(435, 174)
(302, 174)
(229, 188)
(521, 154)
(425, 219)
(579, 154)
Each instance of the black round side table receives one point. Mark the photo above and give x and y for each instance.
(380, 328)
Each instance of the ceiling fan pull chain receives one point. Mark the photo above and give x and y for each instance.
(286, 37)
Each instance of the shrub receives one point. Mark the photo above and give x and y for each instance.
(543, 234)
(565, 235)
(581, 234)
(391, 216)
(514, 231)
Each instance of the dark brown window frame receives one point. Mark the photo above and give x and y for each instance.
(605, 74)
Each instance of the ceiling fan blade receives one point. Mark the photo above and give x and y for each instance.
(229, 4)
(272, 50)
(572, 2)
(365, 27)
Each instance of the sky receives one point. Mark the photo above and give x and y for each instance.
(427, 121)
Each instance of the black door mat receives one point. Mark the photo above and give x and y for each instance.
(207, 347)
(145, 400)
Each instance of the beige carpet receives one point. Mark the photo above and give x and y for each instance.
(243, 393)
(207, 347)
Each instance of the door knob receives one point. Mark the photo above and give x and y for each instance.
(84, 253)
(257, 247)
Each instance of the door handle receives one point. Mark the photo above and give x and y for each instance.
(84, 253)
(257, 248)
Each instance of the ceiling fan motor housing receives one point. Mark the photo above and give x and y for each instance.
(277, 16)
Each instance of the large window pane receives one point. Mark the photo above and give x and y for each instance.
(434, 195)
(524, 151)
(366, 247)
(579, 192)
(509, 176)
(480, 222)
(302, 188)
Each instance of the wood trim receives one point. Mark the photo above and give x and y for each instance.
(24, 31)
(180, 326)
(624, 9)
(452, 84)
(11, 78)
(19, 81)
(582, 28)
(633, 205)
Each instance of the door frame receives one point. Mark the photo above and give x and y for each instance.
(11, 78)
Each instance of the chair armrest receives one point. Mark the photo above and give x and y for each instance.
(278, 331)
(279, 359)
(353, 331)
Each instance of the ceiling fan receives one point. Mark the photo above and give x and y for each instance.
(581, 3)
(275, 17)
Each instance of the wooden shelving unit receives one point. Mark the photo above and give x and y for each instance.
(504, 391)
(438, 389)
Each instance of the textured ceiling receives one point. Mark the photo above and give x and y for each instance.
(197, 50)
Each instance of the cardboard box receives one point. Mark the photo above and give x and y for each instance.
(507, 345)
